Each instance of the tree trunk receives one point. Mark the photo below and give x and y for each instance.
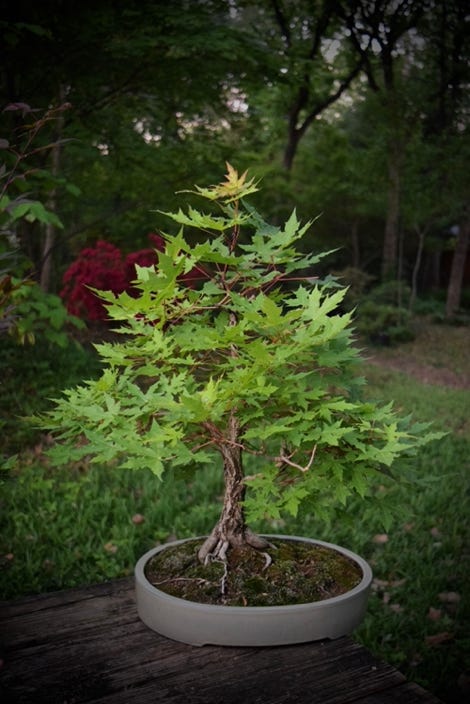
(46, 258)
(390, 245)
(457, 271)
(231, 530)
(417, 266)
(297, 127)
(356, 249)
(293, 139)
(50, 235)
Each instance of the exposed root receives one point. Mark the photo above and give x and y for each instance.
(223, 581)
(218, 553)
(208, 549)
(222, 552)
(257, 542)
(215, 547)
(174, 580)
(268, 559)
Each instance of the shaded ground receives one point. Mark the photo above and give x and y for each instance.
(439, 355)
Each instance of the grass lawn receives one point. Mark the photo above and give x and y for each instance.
(83, 523)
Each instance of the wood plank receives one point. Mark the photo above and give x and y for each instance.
(408, 692)
(89, 646)
(39, 602)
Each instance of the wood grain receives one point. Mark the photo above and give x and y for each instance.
(89, 646)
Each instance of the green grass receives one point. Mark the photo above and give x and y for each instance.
(29, 376)
(77, 525)
(72, 526)
(419, 613)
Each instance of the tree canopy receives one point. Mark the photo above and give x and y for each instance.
(353, 110)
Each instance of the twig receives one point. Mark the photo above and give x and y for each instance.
(283, 459)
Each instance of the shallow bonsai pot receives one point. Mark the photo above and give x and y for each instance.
(204, 624)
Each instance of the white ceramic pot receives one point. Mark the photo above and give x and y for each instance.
(203, 624)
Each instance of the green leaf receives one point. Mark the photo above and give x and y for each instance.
(278, 357)
(203, 221)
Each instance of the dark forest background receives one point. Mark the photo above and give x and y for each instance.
(352, 111)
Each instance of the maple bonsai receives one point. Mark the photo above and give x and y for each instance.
(256, 363)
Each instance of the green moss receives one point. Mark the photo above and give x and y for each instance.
(299, 573)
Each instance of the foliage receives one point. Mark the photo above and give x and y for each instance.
(39, 313)
(358, 282)
(19, 170)
(384, 324)
(7, 287)
(154, 99)
(25, 309)
(251, 361)
(381, 314)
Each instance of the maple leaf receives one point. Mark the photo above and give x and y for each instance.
(233, 188)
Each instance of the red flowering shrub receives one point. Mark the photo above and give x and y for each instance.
(103, 267)
(100, 267)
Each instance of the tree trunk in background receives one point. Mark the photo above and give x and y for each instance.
(457, 271)
(50, 233)
(356, 249)
(49, 240)
(391, 234)
(293, 139)
(417, 265)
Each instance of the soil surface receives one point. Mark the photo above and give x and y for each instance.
(425, 373)
(438, 356)
(299, 573)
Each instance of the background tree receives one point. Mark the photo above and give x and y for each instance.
(447, 125)
(307, 64)
(384, 34)
(144, 79)
(329, 100)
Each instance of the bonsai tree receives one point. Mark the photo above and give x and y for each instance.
(255, 366)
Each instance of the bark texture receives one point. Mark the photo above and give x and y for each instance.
(231, 530)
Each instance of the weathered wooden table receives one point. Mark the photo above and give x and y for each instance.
(88, 645)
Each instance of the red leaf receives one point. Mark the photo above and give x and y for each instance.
(380, 538)
(434, 614)
(449, 597)
(438, 638)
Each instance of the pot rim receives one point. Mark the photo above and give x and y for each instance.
(363, 585)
